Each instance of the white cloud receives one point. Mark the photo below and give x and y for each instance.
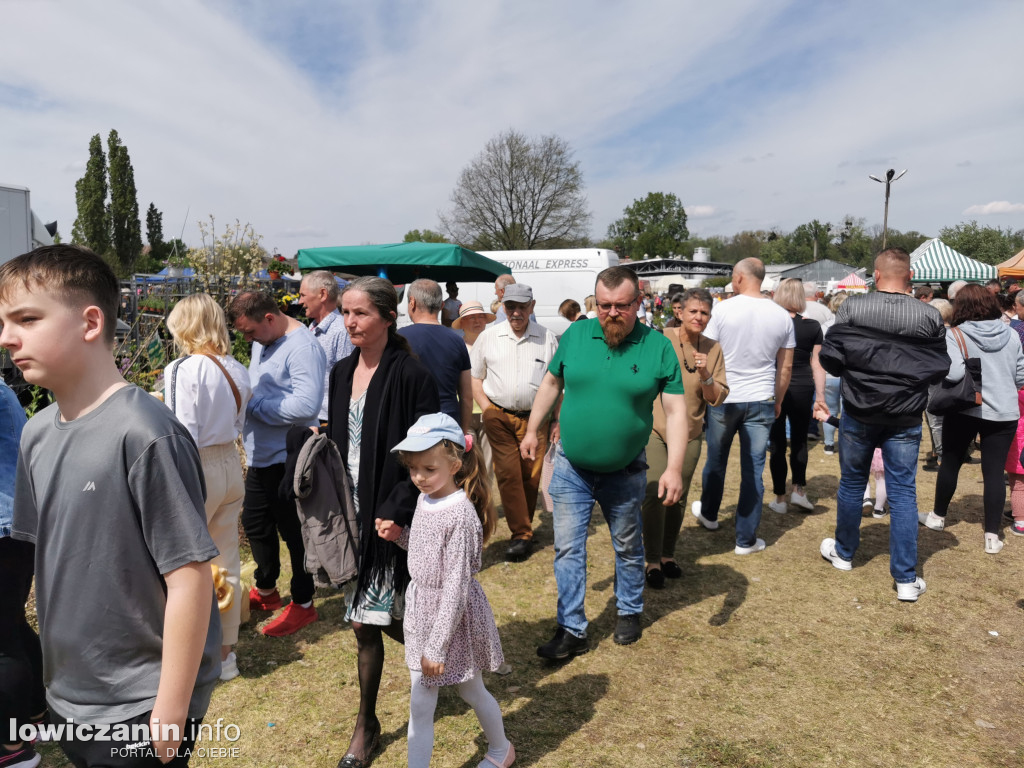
(701, 211)
(989, 209)
(218, 120)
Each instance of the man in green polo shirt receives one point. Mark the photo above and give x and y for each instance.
(610, 368)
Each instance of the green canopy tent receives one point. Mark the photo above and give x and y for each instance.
(935, 262)
(404, 262)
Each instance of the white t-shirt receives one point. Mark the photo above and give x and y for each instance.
(817, 311)
(750, 331)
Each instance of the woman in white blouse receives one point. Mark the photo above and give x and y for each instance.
(207, 390)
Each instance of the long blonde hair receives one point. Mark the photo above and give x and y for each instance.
(198, 325)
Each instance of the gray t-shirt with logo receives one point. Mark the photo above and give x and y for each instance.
(113, 501)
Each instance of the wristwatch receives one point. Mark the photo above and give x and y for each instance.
(708, 381)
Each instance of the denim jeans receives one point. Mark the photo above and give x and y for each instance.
(620, 494)
(832, 386)
(900, 447)
(753, 420)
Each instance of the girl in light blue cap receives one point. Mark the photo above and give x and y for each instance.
(450, 634)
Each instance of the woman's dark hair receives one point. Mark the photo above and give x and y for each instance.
(383, 296)
(569, 309)
(975, 302)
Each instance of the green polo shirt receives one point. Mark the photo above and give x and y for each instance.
(609, 393)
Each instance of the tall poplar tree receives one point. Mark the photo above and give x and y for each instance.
(155, 234)
(92, 227)
(125, 229)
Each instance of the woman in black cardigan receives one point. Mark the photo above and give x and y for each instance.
(376, 394)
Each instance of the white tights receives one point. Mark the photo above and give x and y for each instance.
(423, 702)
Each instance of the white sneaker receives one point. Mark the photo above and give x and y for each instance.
(931, 520)
(992, 545)
(801, 501)
(909, 593)
(711, 525)
(758, 546)
(828, 551)
(229, 667)
(879, 512)
(778, 506)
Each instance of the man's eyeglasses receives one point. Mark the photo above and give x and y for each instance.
(622, 308)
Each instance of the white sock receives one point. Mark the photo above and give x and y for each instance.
(422, 703)
(266, 592)
(308, 604)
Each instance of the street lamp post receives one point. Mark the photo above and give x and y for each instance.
(890, 177)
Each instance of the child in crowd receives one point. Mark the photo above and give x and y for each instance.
(110, 490)
(22, 699)
(876, 473)
(450, 634)
(1015, 472)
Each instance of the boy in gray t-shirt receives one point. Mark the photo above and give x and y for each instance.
(110, 490)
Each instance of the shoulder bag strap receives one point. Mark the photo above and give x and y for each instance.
(172, 385)
(231, 382)
(961, 342)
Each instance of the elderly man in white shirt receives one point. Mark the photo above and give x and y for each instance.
(509, 361)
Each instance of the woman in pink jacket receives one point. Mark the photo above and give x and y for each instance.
(1016, 472)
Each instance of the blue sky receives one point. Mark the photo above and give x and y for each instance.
(333, 123)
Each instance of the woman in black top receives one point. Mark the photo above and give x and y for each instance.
(806, 384)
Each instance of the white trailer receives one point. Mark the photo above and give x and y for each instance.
(20, 229)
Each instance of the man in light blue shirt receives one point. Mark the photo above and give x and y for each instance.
(287, 376)
(318, 293)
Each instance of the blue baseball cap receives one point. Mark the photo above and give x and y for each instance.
(430, 430)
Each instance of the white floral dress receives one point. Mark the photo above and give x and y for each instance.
(447, 616)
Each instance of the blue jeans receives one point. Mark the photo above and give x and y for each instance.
(832, 401)
(753, 420)
(900, 447)
(574, 491)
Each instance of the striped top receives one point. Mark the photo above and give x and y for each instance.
(512, 368)
(896, 313)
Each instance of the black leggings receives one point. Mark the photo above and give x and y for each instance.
(796, 406)
(265, 514)
(996, 437)
(21, 660)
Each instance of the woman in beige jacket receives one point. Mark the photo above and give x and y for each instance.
(704, 381)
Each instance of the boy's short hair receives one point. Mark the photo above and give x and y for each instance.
(73, 273)
(252, 304)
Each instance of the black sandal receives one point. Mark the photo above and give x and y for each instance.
(351, 761)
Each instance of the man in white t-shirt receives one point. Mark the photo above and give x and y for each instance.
(757, 340)
(816, 310)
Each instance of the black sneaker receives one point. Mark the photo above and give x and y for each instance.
(628, 629)
(563, 645)
(518, 550)
(830, 449)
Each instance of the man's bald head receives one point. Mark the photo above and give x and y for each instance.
(747, 276)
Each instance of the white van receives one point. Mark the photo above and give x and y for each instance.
(554, 276)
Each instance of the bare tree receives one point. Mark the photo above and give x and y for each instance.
(519, 194)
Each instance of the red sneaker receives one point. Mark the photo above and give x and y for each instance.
(293, 618)
(258, 602)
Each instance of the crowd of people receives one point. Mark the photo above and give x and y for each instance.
(371, 452)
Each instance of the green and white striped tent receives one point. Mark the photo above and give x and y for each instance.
(935, 262)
